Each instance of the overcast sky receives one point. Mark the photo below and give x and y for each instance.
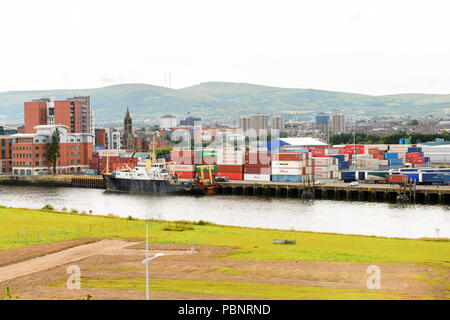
(373, 47)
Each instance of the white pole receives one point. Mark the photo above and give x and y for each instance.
(146, 266)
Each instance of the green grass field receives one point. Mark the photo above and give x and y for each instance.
(238, 289)
(25, 224)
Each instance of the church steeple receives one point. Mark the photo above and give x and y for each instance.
(128, 139)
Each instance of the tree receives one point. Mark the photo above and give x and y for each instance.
(53, 150)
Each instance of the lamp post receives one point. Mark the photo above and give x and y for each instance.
(146, 261)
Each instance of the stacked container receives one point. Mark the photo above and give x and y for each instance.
(257, 166)
(230, 164)
(324, 167)
(291, 166)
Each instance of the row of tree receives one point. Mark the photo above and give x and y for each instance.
(363, 138)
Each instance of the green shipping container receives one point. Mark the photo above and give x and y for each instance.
(214, 169)
(208, 153)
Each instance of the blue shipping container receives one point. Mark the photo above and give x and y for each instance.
(431, 177)
(344, 165)
(390, 155)
(447, 179)
(340, 157)
(414, 149)
(395, 161)
(285, 178)
(347, 175)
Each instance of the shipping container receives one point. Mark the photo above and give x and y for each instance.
(257, 170)
(446, 179)
(213, 169)
(431, 177)
(231, 175)
(230, 168)
(256, 177)
(288, 164)
(185, 174)
(323, 175)
(347, 176)
(287, 178)
(398, 178)
(288, 156)
(287, 171)
(184, 167)
(319, 161)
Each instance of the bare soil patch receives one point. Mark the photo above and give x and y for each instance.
(207, 263)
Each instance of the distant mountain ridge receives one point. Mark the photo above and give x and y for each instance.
(227, 99)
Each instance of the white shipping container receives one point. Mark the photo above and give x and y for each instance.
(322, 161)
(287, 171)
(323, 169)
(384, 162)
(288, 164)
(256, 177)
(184, 167)
(323, 175)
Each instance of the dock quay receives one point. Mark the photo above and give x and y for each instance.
(338, 191)
(334, 190)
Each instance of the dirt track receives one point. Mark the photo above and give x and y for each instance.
(60, 258)
(36, 278)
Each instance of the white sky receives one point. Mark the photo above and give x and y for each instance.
(374, 47)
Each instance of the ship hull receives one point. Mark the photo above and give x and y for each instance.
(144, 186)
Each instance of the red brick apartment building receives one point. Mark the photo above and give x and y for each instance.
(100, 138)
(30, 151)
(5, 160)
(74, 113)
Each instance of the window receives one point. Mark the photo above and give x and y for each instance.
(71, 161)
(37, 155)
(37, 148)
(71, 154)
(78, 161)
(37, 163)
(44, 163)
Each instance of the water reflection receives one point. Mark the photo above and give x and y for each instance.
(367, 218)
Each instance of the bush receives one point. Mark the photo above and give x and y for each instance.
(130, 218)
(73, 210)
(178, 227)
(48, 207)
(64, 209)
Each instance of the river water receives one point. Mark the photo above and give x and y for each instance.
(379, 219)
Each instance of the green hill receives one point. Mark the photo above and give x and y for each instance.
(223, 99)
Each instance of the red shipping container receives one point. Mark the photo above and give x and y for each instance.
(185, 174)
(231, 175)
(318, 152)
(418, 160)
(413, 155)
(288, 156)
(257, 170)
(230, 168)
(398, 178)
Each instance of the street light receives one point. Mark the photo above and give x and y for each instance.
(146, 260)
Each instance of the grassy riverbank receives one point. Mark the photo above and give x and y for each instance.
(21, 227)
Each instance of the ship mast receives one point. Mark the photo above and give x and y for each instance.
(154, 149)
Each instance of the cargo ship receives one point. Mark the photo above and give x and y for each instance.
(156, 176)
